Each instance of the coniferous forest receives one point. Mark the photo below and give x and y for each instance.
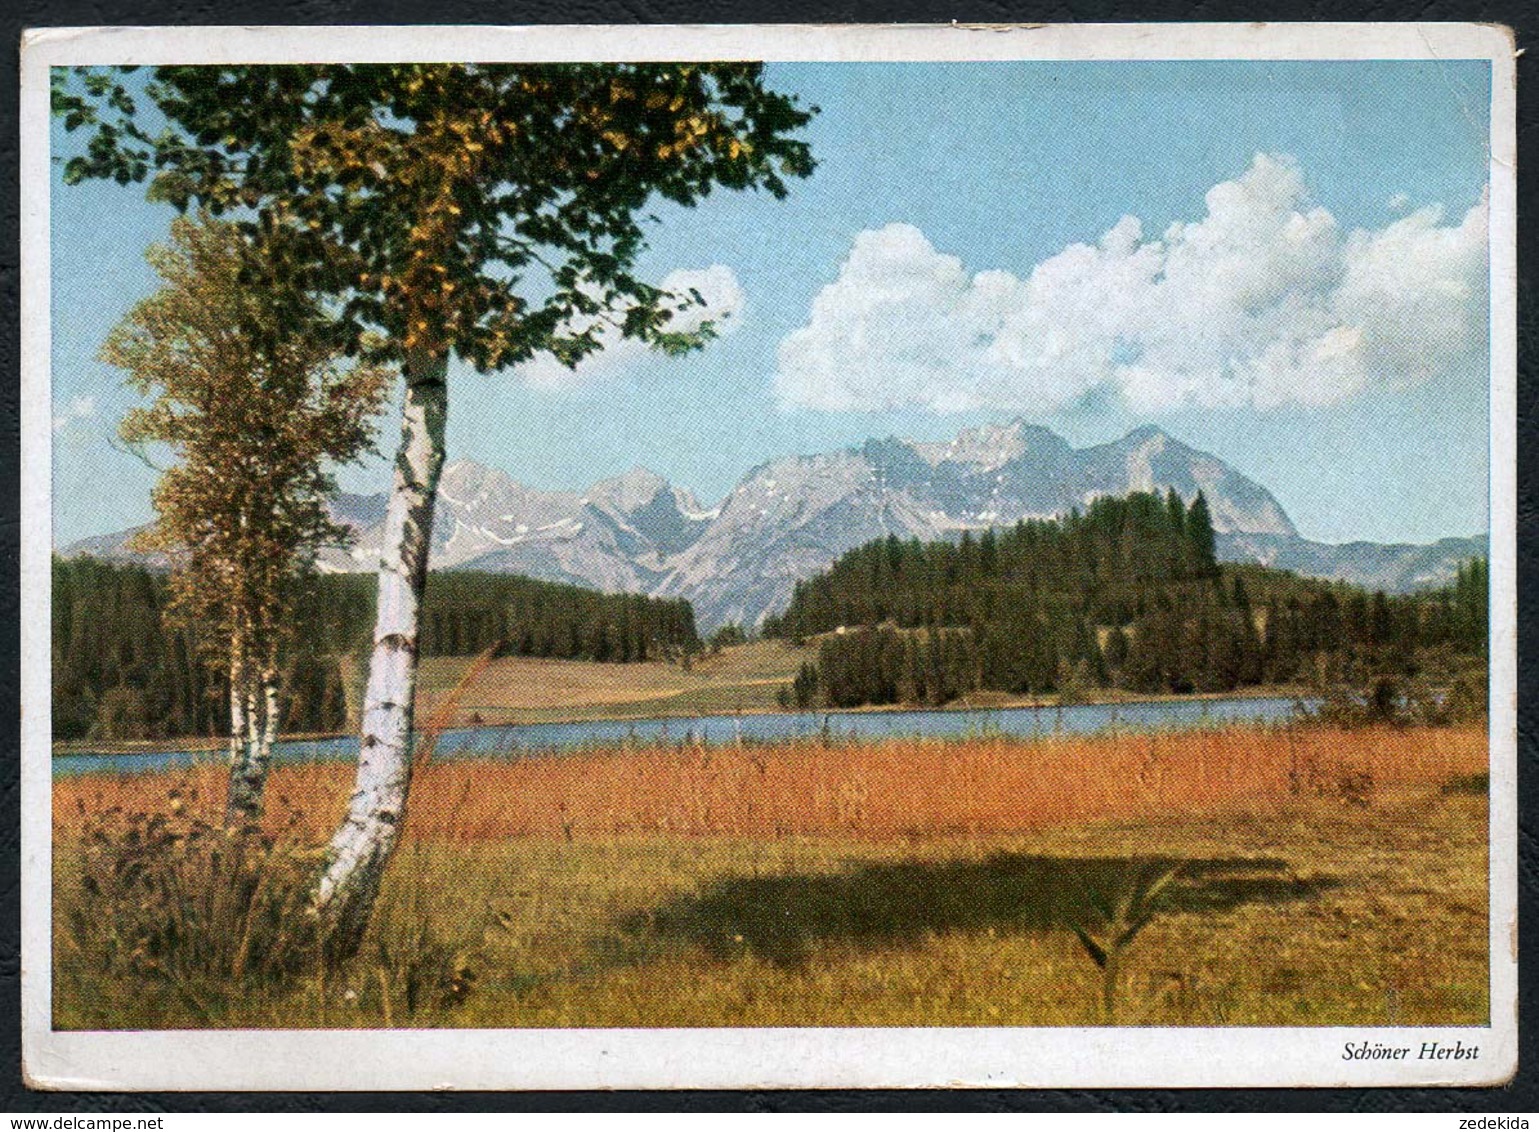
(1125, 595)
(122, 670)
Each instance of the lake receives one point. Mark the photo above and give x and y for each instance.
(521, 740)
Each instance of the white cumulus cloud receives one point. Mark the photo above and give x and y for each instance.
(1263, 301)
(721, 304)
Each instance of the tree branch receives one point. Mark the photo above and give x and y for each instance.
(136, 452)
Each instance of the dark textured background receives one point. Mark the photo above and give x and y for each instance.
(1522, 15)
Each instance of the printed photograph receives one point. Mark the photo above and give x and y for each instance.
(644, 544)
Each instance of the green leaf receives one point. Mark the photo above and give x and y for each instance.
(250, 137)
(1130, 932)
(1162, 882)
(1096, 952)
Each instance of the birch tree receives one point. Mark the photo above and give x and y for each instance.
(255, 412)
(487, 212)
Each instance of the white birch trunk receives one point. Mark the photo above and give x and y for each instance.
(248, 779)
(270, 722)
(248, 770)
(362, 845)
(237, 711)
(253, 721)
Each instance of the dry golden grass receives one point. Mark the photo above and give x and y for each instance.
(532, 682)
(1312, 914)
(767, 659)
(531, 689)
(1329, 878)
(901, 788)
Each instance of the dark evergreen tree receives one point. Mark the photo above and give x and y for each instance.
(1199, 531)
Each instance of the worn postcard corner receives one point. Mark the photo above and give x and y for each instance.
(777, 556)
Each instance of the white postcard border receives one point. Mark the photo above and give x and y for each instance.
(775, 1058)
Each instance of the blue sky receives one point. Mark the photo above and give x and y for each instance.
(961, 255)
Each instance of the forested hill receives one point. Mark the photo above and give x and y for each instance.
(1126, 594)
(121, 671)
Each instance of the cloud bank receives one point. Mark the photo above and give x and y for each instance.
(722, 306)
(1263, 302)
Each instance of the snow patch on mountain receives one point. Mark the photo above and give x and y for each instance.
(790, 518)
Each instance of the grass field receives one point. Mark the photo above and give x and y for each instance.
(532, 690)
(1327, 878)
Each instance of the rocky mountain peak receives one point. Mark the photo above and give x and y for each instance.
(1144, 434)
(990, 446)
(629, 491)
(790, 518)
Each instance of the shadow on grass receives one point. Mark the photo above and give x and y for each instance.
(1468, 784)
(786, 918)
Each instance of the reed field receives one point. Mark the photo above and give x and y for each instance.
(1294, 875)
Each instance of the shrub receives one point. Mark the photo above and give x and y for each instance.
(1428, 686)
(203, 908)
(1453, 690)
(727, 636)
(804, 689)
(222, 915)
(1074, 683)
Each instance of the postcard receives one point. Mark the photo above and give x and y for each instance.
(781, 556)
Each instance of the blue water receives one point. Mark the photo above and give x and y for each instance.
(515, 741)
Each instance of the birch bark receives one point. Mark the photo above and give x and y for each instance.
(248, 767)
(253, 731)
(235, 797)
(269, 725)
(363, 843)
(248, 770)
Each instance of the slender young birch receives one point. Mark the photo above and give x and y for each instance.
(487, 213)
(253, 417)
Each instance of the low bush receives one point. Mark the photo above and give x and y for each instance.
(221, 915)
(175, 898)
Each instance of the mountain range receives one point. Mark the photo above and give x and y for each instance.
(790, 518)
